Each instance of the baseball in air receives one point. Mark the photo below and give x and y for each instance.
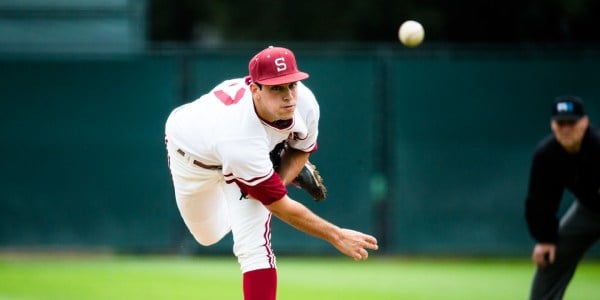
(411, 33)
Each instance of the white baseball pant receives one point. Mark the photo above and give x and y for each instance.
(211, 208)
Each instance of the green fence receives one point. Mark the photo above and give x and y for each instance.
(84, 162)
(464, 130)
(429, 149)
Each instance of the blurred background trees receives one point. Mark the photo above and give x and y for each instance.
(478, 21)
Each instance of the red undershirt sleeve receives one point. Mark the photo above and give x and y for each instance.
(267, 191)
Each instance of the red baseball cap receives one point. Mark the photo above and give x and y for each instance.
(274, 66)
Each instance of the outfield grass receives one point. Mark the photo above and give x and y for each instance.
(144, 277)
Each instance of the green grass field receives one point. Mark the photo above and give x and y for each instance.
(153, 277)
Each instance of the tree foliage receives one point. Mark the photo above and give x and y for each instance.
(374, 20)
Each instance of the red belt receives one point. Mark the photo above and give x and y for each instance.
(200, 164)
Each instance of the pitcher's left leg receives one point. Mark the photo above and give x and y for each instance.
(251, 228)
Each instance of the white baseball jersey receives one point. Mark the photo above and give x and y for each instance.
(222, 128)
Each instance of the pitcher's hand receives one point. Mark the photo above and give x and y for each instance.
(355, 244)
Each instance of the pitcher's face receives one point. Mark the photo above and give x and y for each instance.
(275, 102)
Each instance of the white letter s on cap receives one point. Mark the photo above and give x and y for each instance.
(280, 63)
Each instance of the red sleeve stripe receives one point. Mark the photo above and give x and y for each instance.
(312, 148)
(229, 178)
(267, 191)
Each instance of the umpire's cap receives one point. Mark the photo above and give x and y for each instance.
(567, 108)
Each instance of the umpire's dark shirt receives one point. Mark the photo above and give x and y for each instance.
(553, 170)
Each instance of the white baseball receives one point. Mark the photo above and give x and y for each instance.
(411, 33)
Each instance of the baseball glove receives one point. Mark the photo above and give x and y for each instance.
(308, 179)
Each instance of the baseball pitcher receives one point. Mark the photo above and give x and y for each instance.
(231, 154)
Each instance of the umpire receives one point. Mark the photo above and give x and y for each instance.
(567, 159)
